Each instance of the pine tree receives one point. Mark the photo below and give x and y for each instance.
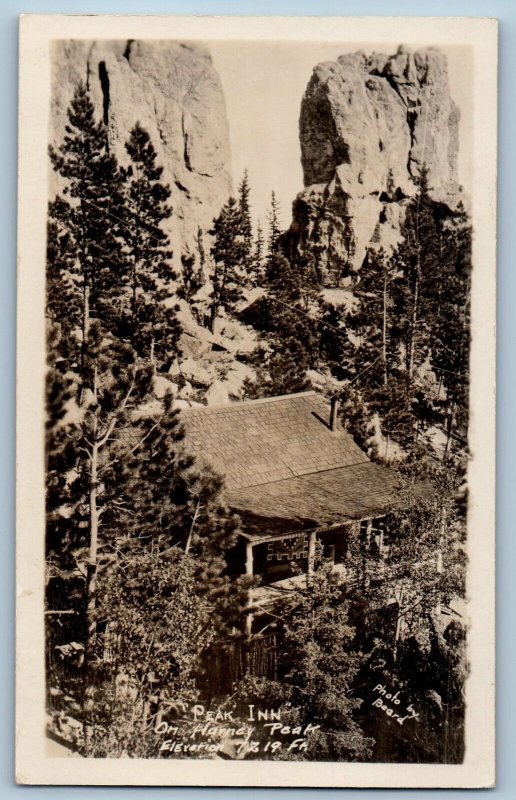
(228, 252)
(117, 385)
(336, 351)
(277, 373)
(417, 258)
(450, 325)
(246, 224)
(89, 209)
(158, 627)
(259, 253)
(321, 666)
(419, 561)
(121, 485)
(431, 310)
(274, 226)
(318, 663)
(289, 337)
(60, 453)
(192, 278)
(63, 293)
(372, 321)
(153, 330)
(411, 320)
(408, 574)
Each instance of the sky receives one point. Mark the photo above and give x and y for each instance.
(263, 85)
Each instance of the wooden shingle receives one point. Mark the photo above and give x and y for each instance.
(262, 441)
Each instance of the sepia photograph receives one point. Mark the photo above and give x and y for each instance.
(257, 453)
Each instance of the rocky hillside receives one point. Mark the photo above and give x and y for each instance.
(173, 90)
(367, 125)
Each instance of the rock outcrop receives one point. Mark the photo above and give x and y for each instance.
(173, 90)
(367, 126)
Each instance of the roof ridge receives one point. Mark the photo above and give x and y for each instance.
(236, 403)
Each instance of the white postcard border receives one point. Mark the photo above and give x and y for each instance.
(33, 766)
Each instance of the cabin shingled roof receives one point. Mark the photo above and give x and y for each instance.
(260, 442)
(284, 469)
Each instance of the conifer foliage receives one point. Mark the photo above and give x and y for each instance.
(152, 329)
(410, 329)
(229, 253)
(246, 225)
(139, 538)
(120, 489)
(89, 209)
(289, 338)
(318, 665)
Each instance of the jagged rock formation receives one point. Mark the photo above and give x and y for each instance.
(367, 125)
(173, 90)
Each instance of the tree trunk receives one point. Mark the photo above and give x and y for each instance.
(439, 552)
(91, 575)
(192, 526)
(397, 630)
(384, 328)
(412, 345)
(85, 333)
(86, 314)
(134, 298)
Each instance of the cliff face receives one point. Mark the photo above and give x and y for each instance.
(367, 125)
(173, 90)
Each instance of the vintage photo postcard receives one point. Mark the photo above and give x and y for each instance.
(256, 381)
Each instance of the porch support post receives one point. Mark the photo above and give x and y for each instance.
(312, 538)
(369, 533)
(249, 571)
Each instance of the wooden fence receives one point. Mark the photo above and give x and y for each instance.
(225, 666)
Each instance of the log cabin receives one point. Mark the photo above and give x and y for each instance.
(296, 479)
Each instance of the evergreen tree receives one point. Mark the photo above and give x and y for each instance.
(418, 259)
(259, 253)
(336, 351)
(158, 627)
(192, 278)
(318, 664)
(289, 337)
(120, 486)
(450, 344)
(246, 224)
(229, 253)
(355, 415)
(274, 226)
(116, 386)
(91, 258)
(63, 293)
(169, 503)
(372, 322)
(408, 576)
(320, 669)
(412, 323)
(417, 556)
(153, 330)
(60, 453)
(276, 374)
